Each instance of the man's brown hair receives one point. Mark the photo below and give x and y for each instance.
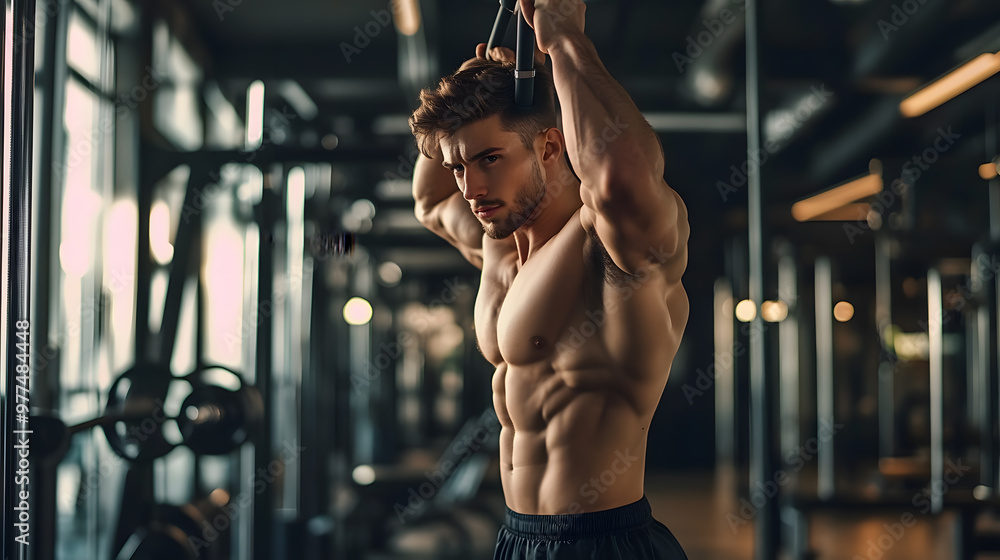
(478, 90)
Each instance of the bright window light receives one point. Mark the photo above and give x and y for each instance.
(159, 232)
(255, 115)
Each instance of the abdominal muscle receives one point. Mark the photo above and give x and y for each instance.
(568, 443)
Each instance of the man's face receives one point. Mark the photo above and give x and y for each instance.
(496, 173)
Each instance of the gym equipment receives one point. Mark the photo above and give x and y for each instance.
(215, 420)
(134, 416)
(18, 265)
(195, 531)
(524, 71)
(986, 362)
(49, 438)
(454, 513)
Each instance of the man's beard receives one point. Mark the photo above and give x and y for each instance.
(525, 202)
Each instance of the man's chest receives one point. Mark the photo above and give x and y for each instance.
(529, 315)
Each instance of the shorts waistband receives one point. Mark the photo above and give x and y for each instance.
(571, 526)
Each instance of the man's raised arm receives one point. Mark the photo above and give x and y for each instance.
(440, 207)
(615, 152)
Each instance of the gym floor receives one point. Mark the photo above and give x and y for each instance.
(695, 506)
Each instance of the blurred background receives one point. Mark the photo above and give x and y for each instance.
(244, 345)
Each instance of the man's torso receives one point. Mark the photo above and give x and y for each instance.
(582, 352)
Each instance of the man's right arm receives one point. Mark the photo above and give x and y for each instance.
(441, 208)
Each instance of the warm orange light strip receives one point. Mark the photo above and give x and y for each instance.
(989, 171)
(825, 202)
(951, 85)
(852, 212)
(406, 14)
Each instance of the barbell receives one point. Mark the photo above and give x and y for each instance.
(219, 414)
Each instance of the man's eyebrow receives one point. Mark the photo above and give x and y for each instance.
(481, 154)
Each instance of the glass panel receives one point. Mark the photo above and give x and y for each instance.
(82, 52)
(177, 116)
(176, 110)
(124, 18)
(89, 6)
(223, 281)
(224, 129)
(88, 478)
(43, 13)
(120, 240)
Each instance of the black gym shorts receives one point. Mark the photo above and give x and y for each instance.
(626, 532)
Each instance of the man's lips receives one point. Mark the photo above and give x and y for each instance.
(485, 211)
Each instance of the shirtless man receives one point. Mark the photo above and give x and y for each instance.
(580, 307)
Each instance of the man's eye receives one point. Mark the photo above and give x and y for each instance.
(457, 169)
(491, 159)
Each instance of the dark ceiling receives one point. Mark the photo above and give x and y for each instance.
(831, 78)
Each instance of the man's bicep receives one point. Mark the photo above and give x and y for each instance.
(453, 221)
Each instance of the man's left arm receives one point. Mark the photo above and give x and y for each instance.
(615, 152)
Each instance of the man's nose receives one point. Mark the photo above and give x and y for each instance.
(473, 186)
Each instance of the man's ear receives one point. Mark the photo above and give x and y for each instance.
(553, 145)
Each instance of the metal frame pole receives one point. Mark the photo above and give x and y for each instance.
(762, 460)
(824, 376)
(18, 275)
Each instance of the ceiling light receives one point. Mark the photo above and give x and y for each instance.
(951, 85)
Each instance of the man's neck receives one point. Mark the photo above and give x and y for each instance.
(561, 202)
